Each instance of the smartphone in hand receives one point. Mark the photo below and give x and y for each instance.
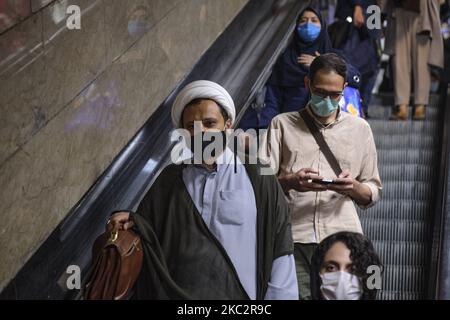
(320, 181)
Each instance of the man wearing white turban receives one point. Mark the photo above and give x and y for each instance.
(217, 230)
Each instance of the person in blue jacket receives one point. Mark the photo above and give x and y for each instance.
(285, 89)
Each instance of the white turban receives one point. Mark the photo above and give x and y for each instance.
(206, 90)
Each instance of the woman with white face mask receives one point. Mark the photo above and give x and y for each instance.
(339, 269)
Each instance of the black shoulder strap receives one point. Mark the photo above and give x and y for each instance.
(321, 142)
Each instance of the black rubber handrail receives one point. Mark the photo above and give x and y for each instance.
(439, 277)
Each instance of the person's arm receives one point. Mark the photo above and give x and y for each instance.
(351, 187)
(282, 283)
(369, 175)
(359, 192)
(307, 59)
(300, 181)
(283, 280)
(119, 220)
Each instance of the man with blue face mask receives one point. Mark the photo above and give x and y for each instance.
(322, 207)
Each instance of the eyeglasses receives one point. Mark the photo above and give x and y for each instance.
(336, 95)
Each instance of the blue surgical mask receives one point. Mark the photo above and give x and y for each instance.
(308, 32)
(323, 107)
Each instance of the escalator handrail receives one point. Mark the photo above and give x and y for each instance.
(439, 277)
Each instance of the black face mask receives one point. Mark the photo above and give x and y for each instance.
(213, 142)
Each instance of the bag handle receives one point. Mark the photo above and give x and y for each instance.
(309, 121)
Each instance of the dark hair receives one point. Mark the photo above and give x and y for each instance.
(362, 254)
(329, 62)
(198, 100)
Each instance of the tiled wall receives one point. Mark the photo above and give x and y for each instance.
(71, 99)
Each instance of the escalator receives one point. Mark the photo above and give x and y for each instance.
(401, 224)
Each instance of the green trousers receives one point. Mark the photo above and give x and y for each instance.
(303, 253)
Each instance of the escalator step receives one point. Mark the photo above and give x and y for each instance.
(407, 190)
(401, 252)
(407, 172)
(412, 141)
(400, 295)
(394, 209)
(407, 156)
(404, 279)
(400, 225)
(403, 127)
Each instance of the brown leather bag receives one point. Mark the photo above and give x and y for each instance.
(117, 261)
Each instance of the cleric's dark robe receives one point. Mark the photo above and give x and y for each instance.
(184, 260)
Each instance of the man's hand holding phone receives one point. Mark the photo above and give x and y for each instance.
(302, 181)
(308, 179)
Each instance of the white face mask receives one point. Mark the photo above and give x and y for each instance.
(340, 285)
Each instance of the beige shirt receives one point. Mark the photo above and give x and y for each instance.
(289, 146)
